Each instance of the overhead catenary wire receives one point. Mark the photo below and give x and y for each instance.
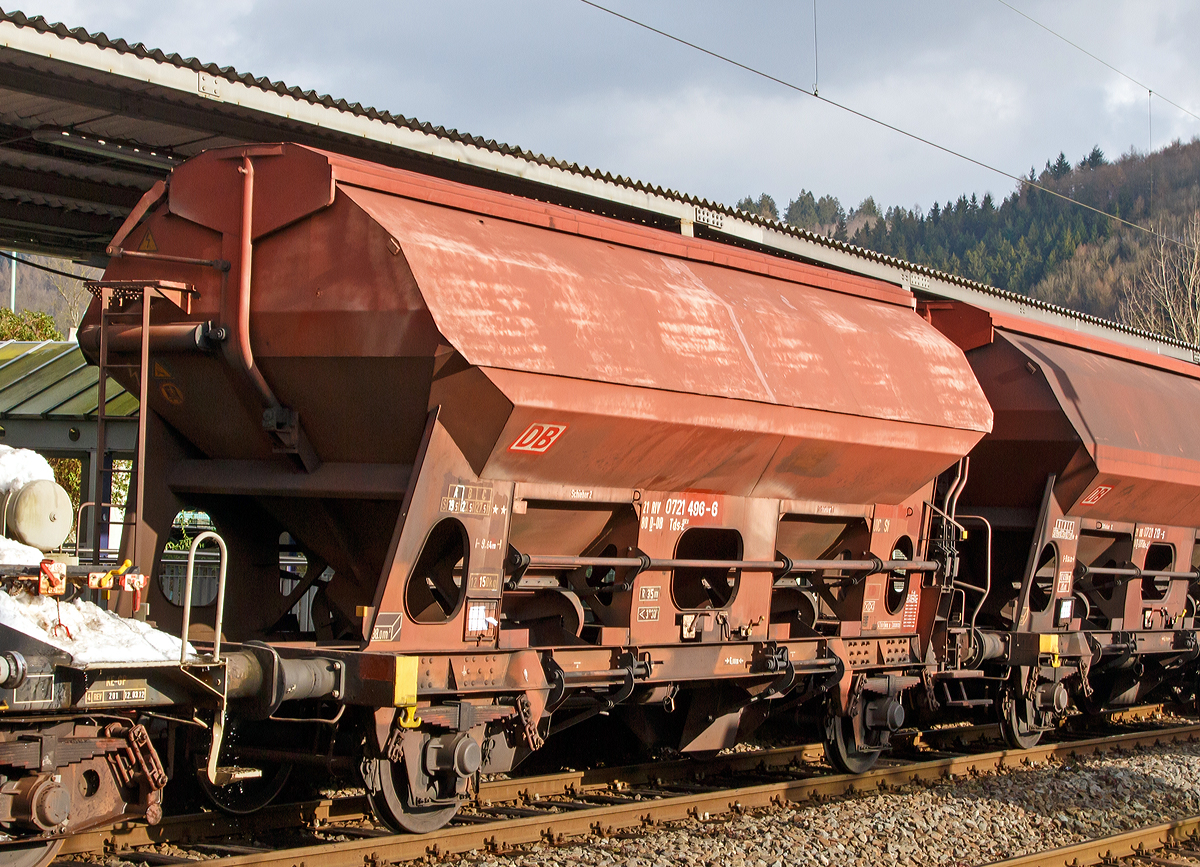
(12, 257)
(1099, 60)
(899, 130)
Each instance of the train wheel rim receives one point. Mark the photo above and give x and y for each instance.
(1014, 724)
(387, 793)
(841, 750)
(33, 853)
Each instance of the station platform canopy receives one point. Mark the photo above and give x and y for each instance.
(49, 398)
(89, 123)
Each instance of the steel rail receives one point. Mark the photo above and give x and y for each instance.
(1138, 844)
(196, 826)
(610, 817)
(126, 835)
(314, 813)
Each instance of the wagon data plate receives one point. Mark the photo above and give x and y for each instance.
(109, 692)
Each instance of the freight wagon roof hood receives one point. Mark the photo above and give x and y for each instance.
(601, 301)
(694, 317)
(1137, 423)
(1115, 424)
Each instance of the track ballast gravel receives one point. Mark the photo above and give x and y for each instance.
(953, 822)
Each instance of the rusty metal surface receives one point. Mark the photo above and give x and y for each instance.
(616, 436)
(753, 377)
(517, 297)
(509, 294)
(660, 362)
(1138, 425)
(1111, 422)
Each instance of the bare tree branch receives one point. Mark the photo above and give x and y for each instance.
(73, 296)
(1164, 298)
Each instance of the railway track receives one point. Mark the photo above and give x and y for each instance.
(1171, 844)
(557, 807)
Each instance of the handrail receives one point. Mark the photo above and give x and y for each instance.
(780, 567)
(110, 522)
(1082, 570)
(187, 595)
(960, 482)
(987, 588)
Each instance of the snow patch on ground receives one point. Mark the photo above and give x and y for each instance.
(95, 635)
(19, 467)
(13, 553)
(81, 628)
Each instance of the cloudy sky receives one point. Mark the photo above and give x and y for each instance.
(561, 78)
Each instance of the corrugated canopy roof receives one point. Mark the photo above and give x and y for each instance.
(52, 379)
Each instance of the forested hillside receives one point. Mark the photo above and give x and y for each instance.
(1033, 242)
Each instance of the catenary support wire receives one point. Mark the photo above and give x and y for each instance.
(901, 131)
(816, 54)
(1099, 60)
(12, 257)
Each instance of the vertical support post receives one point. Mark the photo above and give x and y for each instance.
(139, 465)
(12, 281)
(87, 494)
(100, 513)
(104, 541)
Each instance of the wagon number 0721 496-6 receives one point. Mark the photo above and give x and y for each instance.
(677, 512)
(676, 507)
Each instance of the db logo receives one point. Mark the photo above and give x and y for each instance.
(538, 437)
(1094, 497)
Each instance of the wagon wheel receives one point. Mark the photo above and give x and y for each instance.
(242, 797)
(841, 749)
(388, 795)
(30, 853)
(1016, 720)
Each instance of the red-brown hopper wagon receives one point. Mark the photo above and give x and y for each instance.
(542, 464)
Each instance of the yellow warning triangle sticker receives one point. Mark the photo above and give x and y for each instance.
(161, 372)
(148, 245)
